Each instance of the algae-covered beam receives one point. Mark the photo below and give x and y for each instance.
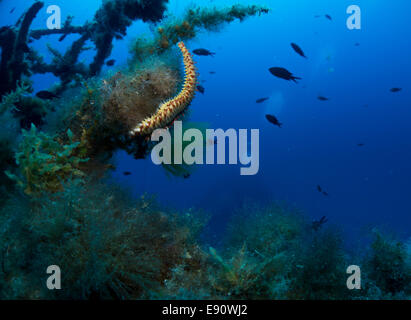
(38, 33)
(193, 21)
(7, 39)
(67, 29)
(13, 42)
(112, 21)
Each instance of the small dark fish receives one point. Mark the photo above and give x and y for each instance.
(317, 224)
(320, 190)
(63, 37)
(212, 72)
(395, 89)
(283, 73)
(201, 89)
(203, 52)
(298, 50)
(317, 16)
(111, 62)
(357, 44)
(262, 100)
(186, 176)
(272, 119)
(321, 98)
(46, 95)
(360, 144)
(127, 173)
(328, 17)
(12, 10)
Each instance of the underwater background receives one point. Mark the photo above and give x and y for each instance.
(333, 184)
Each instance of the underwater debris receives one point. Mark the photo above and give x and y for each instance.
(283, 73)
(170, 109)
(298, 50)
(203, 52)
(272, 119)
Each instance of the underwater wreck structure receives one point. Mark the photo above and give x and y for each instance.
(110, 21)
(56, 207)
(125, 103)
(19, 60)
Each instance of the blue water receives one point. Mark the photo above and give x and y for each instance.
(317, 145)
